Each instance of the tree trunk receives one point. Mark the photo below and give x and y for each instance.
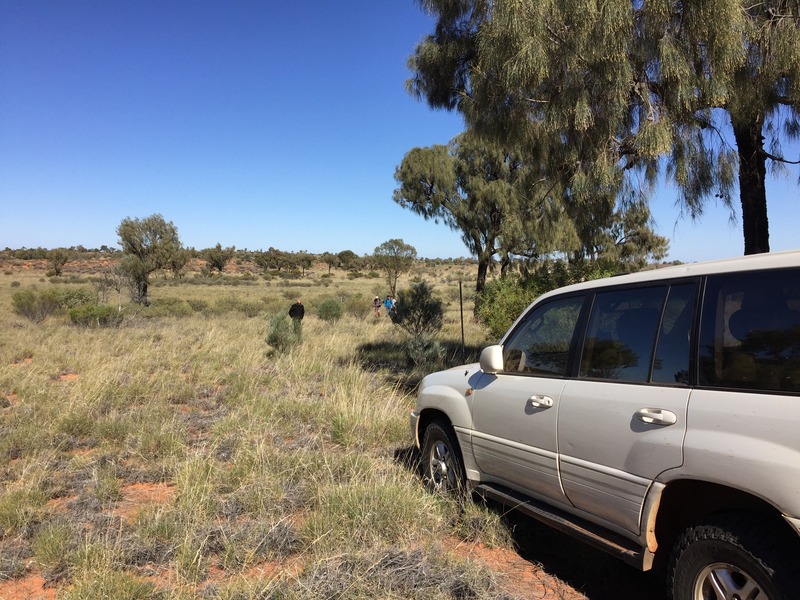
(483, 269)
(752, 186)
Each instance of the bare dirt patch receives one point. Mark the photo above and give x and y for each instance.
(137, 495)
(30, 587)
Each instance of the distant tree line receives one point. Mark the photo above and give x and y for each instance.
(152, 244)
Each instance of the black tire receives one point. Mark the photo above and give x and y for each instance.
(735, 556)
(442, 464)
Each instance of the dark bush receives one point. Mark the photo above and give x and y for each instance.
(417, 312)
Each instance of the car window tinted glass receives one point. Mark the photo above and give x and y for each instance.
(622, 333)
(540, 344)
(672, 353)
(750, 331)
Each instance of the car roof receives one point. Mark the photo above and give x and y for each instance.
(752, 262)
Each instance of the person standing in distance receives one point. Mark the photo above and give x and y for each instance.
(297, 311)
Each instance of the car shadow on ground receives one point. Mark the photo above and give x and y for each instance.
(597, 575)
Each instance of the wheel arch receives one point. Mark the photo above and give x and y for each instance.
(688, 502)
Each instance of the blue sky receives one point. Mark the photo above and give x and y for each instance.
(246, 123)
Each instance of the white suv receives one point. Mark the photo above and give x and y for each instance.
(654, 415)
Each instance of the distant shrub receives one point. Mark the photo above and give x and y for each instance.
(226, 304)
(15, 284)
(35, 306)
(250, 309)
(198, 305)
(77, 297)
(357, 306)
(330, 310)
(94, 315)
(281, 335)
(168, 307)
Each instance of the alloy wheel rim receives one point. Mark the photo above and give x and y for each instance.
(441, 470)
(724, 581)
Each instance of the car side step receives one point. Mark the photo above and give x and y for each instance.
(600, 538)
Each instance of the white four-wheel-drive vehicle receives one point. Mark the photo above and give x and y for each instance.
(654, 415)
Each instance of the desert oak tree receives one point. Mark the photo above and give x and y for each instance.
(394, 257)
(615, 95)
(149, 245)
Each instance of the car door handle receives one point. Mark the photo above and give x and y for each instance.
(541, 401)
(656, 416)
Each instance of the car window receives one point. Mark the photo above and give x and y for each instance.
(672, 352)
(621, 334)
(750, 331)
(540, 344)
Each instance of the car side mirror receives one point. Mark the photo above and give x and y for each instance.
(492, 359)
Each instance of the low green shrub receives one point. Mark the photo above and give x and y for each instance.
(281, 335)
(417, 311)
(95, 315)
(330, 310)
(35, 306)
(76, 297)
(198, 305)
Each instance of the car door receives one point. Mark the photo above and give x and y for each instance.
(623, 420)
(515, 411)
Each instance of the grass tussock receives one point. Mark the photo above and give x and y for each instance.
(279, 465)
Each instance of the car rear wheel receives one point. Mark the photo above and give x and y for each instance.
(733, 558)
(443, 467)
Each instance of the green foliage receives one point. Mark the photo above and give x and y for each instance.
(425, 351)
(281, 334)
(198, 305)
(330, 310)
(418, 312)
(504, 299)
(95, 315)
(58, 258)
(394, 257)
(501, 302)
(35, 306)
(149, 244)
(349, 260)
(217, 258)
(608, 98)
(76, 297)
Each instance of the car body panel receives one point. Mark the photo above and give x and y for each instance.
(513, 440)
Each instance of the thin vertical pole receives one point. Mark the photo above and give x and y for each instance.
(461, 304)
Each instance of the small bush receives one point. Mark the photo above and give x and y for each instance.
(250, 309)
(78, 297)
(35, 307)
(357, 306)
(15, 284)
(281, 335)
(168, 307)
(417, 312)
(330, 310)
(198, 305)
(93, 315)
(426, 351)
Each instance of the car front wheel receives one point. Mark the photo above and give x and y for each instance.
(443, 468)
(733, 558)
